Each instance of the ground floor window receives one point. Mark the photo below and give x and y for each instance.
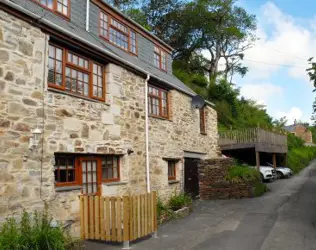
(86, 171)
(171, 170)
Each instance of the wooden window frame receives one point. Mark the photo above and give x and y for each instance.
(78, 169)
(115, 158)
(160, 53)
(174, 176)
(127, 34)
(159, 97)
(202, 121)
(89, 71)
(54, 9)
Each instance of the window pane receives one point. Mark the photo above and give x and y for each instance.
(86, 89)
(49, 4)
(103, 25)
(59, 7)
(65, 10)
(64, 169)
(71, 175)
(63, 175)
(55, 65)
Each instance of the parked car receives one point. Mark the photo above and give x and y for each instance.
(282, 172)
(267, 173)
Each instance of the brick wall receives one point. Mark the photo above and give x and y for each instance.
(302, 132)
(212, 181)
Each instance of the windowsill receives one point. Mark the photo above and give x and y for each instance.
(160, 118)
(203, 133)
(77, 96)
(68, 188)
(117, 183)
(173, 182)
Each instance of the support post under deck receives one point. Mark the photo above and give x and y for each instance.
(274, 160)
(258, 160)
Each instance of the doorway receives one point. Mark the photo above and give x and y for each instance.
(191, 176)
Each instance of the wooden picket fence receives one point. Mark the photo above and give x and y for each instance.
(118, 219)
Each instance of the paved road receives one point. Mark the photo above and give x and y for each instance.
(284, 218)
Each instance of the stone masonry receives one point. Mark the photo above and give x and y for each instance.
(77, 125)
(212, 182)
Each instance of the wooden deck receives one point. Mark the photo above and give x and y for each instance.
(260, 139)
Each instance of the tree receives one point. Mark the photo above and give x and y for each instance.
(280, 123)
(224, 30)
(311, 71)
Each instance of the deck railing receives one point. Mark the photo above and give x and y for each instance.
(251, 136)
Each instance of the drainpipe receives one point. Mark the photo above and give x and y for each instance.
(146, 133)
(87, 15)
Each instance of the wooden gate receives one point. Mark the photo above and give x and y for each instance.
(118, 219)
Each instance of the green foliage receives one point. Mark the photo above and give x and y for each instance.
(260, 188)
(161, 208)
(299, 158)
(239, 174)
(178, 201)
(34, 232)
(294, 142)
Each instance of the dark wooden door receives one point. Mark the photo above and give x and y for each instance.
(191, 177)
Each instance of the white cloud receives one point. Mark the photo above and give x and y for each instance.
(261, 93)
(293, 114)
(287, 43)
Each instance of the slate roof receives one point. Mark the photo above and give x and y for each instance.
(90, 38)
(290, 128)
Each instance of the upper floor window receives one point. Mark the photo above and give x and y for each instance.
(157, 102)
(57, 6)
(75, 74)
(117, 33)
(202, 121)
(160, 60)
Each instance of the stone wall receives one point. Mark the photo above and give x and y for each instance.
(212, 181)
(170, 138)
(71, 124)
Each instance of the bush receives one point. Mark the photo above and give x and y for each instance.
(259, 189)
(178, 201)
(33, 232)
(240, 174)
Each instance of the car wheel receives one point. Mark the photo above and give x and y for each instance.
(261, 176)
(280, 175)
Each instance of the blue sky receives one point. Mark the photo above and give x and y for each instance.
(277, 63)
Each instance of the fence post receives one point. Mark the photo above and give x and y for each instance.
(154, 218)
(126, 225)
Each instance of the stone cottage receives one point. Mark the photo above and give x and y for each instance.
(301, 131)
(89, 105)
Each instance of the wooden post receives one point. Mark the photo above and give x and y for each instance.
(274, 160)
(258, 160)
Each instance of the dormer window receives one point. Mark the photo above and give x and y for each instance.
(160, 60)
(117, 33)
(60, 7)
